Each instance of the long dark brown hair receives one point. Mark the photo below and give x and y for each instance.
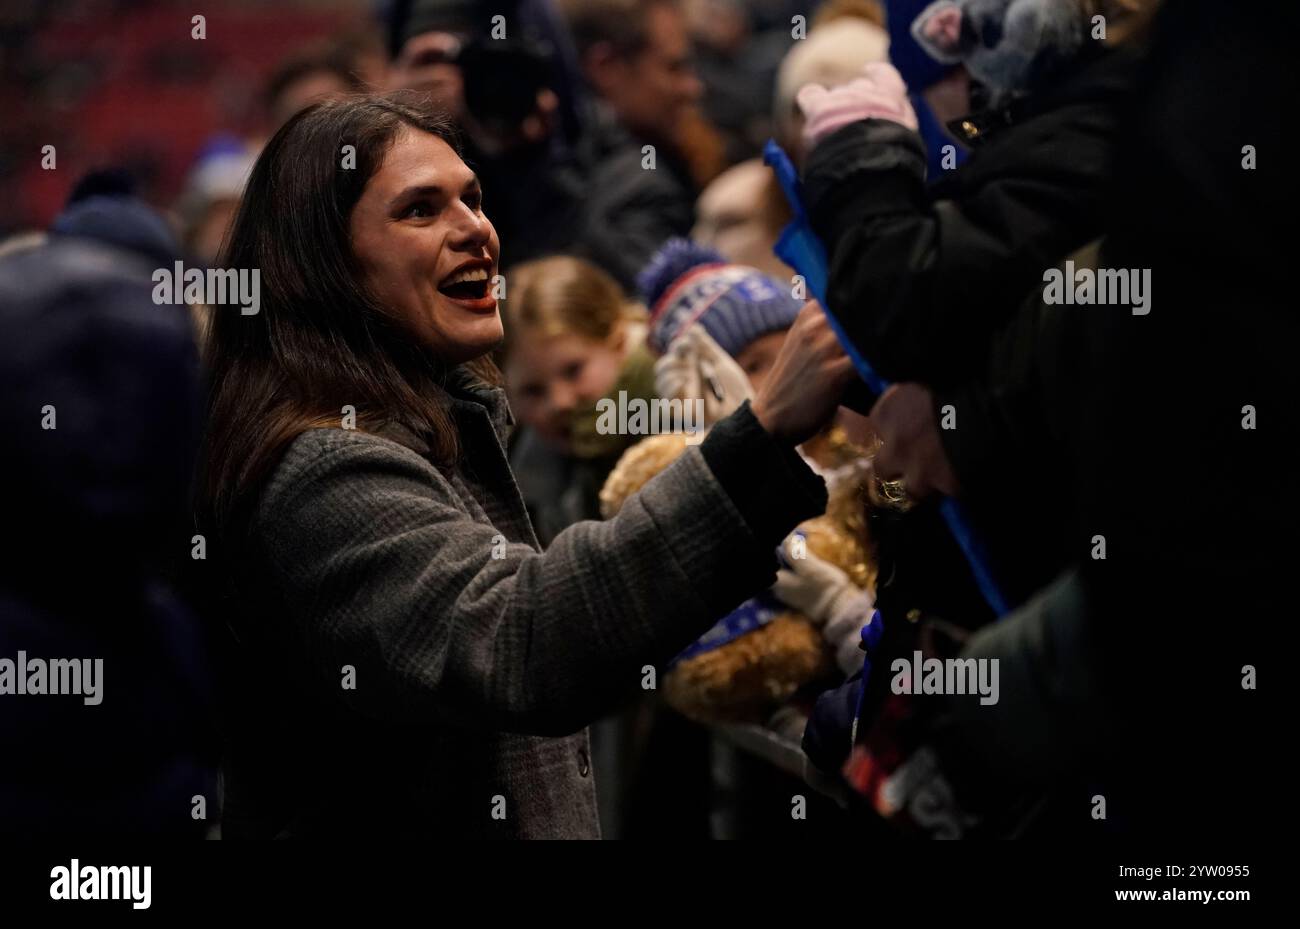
(320, 340)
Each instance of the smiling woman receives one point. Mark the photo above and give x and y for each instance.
(406, 659)
(352, 232)
(426, 249)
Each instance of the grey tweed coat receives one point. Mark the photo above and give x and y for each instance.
(409, 662)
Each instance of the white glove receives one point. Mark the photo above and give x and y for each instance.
(843, 631)
(696, 368)
(827, 596)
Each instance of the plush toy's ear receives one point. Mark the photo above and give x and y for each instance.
(938, 30)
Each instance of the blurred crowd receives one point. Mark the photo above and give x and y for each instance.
(949, 154)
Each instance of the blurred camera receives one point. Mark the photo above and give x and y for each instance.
(503, 78)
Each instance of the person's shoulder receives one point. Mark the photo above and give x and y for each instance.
(325, 455)
(315, 445)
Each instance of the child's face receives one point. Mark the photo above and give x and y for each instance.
(549, 379)
(756, 358)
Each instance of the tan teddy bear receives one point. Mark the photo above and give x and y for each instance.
(746, 677)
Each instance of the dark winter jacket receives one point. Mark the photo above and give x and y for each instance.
(1172, 435)
(415, 665)
(535, 200)
(632, 209)
(921, 276)
(100, 414)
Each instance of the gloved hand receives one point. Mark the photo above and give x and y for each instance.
(828, 734)
(879, 94)
(695, 367)
(827, 596)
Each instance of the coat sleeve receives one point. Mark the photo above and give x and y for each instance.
(1012, 444)
(377, 565)
(1002, 416)
(918, 280)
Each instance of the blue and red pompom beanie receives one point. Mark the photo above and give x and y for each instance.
(685, 283)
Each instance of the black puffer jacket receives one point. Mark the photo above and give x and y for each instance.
(922, 275)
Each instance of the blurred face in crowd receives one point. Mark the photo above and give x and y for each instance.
(426, 64)
(731, 217)
(427, 251)
(205, 237)
(551, 378)
(756, 358)
(312, 87)
(651, 89)
(719, 24)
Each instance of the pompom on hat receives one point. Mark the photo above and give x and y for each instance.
(685, 283)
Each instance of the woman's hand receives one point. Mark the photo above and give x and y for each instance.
(803, 389)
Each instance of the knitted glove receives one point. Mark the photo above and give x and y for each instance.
(696, 367)
(879, 94)
(827, 596)
(843, 629)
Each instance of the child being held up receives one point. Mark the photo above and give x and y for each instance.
(718, 328)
